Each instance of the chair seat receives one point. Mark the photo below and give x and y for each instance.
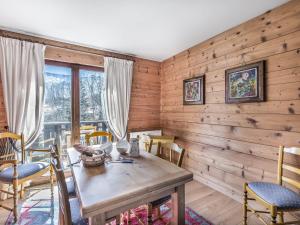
(75, 213)
(275, 194)
(160, 201)
(71, 187)
(24, 170)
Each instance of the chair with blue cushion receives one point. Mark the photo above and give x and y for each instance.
(275, 197)
(15, 172)
(69, 208)
(70, 182)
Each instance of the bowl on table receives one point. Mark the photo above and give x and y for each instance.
(96, 159)
(106, 147)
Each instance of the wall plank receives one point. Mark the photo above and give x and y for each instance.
(229, 144)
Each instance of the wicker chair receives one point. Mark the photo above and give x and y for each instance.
(16, 173)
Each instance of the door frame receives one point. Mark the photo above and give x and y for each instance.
(75, 94)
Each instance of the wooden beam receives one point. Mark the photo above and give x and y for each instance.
(72, 56)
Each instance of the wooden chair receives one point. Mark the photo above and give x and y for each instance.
(159, 140)
(69, 209)
(70, 182)
(16, 173)
(86, 129)
(276, 198)
(89, 128)
(145, 139)
(97, 134)
(175, 155)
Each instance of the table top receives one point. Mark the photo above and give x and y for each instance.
(99, 188)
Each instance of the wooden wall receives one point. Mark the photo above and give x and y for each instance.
(144, 111)
(228, 144)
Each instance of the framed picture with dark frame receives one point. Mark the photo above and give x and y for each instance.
(193, 91)
(245, 83)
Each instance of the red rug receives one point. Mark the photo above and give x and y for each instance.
(191, 217)
(39, 210)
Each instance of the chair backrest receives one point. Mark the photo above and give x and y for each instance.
(159, 140)
(173, 153)
(162, 139)
(8, 146)
(64, 204)
(97, 134)
(88, 128)
(281, 166)
(145, 139)
(55, 154)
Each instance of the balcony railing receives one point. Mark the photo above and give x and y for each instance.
(60, 133)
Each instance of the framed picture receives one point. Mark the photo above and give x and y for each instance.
(245, 83)
(193, 91)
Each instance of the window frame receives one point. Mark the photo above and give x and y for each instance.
(75, 94)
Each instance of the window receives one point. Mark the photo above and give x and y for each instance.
(73, 104)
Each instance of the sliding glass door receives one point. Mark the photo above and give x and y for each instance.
(91, 91)
(73, 104)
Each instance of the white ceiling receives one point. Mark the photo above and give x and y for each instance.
(152, 29)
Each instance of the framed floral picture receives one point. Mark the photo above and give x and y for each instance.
(193, 91)
(245, 83)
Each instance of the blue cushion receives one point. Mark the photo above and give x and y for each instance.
(160, 201)
(71, 187)
(275, 194)
(75, 213)
(24, 170)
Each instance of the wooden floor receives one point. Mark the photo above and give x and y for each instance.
(217, 207)
(212, 205)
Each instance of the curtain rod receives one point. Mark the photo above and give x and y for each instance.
(63, 45)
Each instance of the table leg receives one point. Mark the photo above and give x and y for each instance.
(178, 206)
(97, 220)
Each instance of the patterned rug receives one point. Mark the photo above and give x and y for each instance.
(40, 209)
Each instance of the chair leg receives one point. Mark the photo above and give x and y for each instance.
(245, 204)
(51, 181)
(273, 215)
(281, 218)
(118, 219)
(61, 218)
(15, 196)
(128, 217)
(158, 212)
(22, 191)
(149, 213)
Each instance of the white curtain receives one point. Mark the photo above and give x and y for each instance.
(117, 95)
(22, 68)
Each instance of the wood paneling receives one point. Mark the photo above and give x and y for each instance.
(144, 111)
(72, 56)
(228, 144)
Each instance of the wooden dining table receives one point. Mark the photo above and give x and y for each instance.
(107, 191)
